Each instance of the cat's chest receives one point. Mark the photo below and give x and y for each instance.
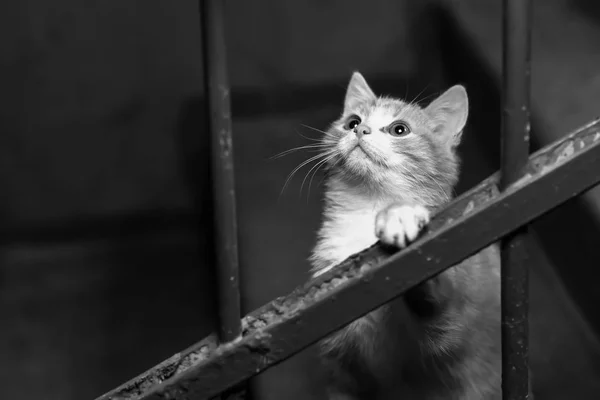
(345, 234)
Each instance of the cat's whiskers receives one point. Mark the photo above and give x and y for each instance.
(327, 134)
(302, 164)
(309, 146)
(308, 138)
(315, 168)
(331, 167)
(416, 98)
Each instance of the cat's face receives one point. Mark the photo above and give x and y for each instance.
(389, 142)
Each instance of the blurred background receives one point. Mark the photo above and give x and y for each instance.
(106, 266)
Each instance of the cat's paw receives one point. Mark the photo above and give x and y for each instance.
(399, 224)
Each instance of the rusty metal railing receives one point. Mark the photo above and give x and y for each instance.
(498, 208)
(373, 277)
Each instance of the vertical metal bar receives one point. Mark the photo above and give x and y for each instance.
(514, 154)
(219, 116)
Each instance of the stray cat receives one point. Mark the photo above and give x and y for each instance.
(391, 164)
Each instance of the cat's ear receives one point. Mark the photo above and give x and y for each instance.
(450, 111)
(358, 92)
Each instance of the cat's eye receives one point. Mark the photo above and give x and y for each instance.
(352, 122)
(398, 129)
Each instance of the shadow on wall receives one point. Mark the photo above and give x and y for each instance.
(588, 8)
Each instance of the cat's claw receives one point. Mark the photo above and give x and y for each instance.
(399, 224)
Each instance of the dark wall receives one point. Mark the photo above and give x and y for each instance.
(106, 265)
(105, 212)
(93, 92)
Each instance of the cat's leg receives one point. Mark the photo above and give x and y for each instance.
(399, 224)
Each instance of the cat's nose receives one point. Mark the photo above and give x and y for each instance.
(361, 130)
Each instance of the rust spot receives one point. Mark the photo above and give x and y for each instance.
(522, 180)
(224, 90)
(470, 206)
(225, 142)
(193, 358)
(566, 152)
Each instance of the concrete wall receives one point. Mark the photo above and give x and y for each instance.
(102, 139)
(94, 94)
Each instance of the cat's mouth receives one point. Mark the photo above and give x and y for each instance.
(362, 150)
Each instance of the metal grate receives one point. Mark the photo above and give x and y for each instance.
(498, 208)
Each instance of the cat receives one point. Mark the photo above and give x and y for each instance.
(391, 164)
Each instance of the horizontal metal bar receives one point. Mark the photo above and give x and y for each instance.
(371, 278)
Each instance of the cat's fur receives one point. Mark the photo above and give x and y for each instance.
(442, 339)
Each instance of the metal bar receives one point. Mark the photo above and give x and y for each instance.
(515, 90)
(219, 112)
(514, 157)
(367, 280)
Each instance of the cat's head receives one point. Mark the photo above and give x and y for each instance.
(392, 144)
